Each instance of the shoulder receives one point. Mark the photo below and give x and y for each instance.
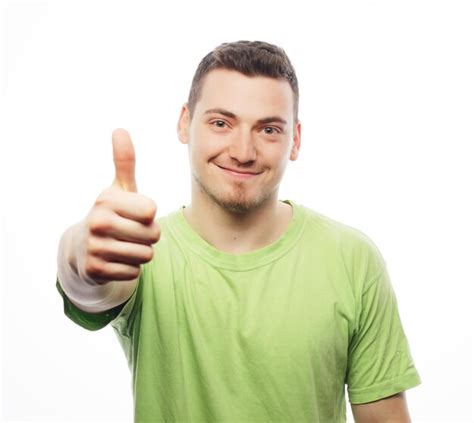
(356, 248)
(340, 232)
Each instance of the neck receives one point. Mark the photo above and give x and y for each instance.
(238, 234)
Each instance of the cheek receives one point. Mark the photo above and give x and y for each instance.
(201, 156)
(277, 158)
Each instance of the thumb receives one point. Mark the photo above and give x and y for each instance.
(124, 160)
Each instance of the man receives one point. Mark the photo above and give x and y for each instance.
(238, 307)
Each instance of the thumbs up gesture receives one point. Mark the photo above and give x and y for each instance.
(118, 233)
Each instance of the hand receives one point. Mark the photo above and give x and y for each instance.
(118, 233)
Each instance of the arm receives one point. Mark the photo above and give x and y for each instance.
(87, 297)
(379, 359)
(99, 258)
(392, 409)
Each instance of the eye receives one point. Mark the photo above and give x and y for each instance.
(274, 130)
(221, 123)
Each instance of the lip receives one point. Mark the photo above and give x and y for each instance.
(238, 174)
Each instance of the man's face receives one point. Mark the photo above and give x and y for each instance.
(240, 139)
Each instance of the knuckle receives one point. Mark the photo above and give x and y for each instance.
(90, 247)
(93, 246)
(148, 255)
(151, 209)
(131, 273)
(106, 196)
(93, 268)
(100, 222)
(155, 234)
(135, 272)
(102, 199)
(93, 221)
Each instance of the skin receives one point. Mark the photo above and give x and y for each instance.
(239, 214)
(392, 409)
(236, 214)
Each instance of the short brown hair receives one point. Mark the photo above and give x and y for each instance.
(251, 58)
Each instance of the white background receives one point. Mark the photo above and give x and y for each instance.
(387, 115)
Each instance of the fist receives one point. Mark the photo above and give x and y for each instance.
(118, 234)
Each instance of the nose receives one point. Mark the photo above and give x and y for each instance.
(242, 147)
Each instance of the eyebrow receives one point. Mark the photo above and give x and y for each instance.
(231, 115)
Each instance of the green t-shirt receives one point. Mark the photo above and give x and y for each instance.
(270, 335)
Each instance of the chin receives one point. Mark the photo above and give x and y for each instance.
(238, 207)
(237, 200)
(240, 203)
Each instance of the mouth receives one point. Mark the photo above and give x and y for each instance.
(239, 174)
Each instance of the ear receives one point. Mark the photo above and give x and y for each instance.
(296, 142)
(183, 124)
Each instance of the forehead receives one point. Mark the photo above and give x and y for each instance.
(244, 95)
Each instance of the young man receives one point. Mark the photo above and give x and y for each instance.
(239, 307)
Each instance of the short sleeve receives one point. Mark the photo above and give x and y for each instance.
(89, 321)
(379, 359)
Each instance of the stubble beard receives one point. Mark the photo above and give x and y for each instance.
(237, 203)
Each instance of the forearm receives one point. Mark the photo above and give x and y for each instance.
(392, 409)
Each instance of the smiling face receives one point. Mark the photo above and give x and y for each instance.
(240, 139)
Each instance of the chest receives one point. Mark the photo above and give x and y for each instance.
(271, 313)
